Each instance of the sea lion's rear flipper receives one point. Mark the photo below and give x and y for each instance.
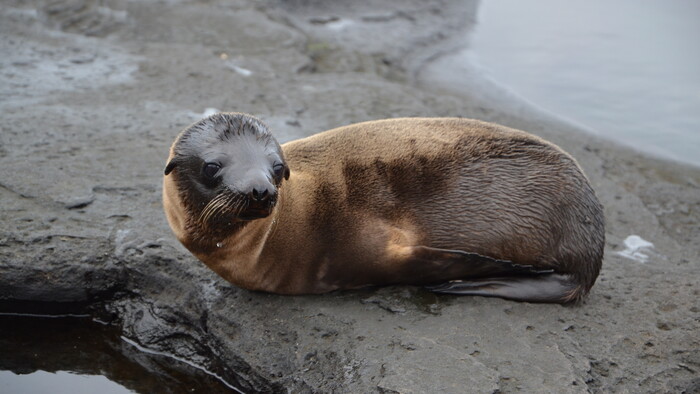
(459, 264)
(555, 288)
(486, 276)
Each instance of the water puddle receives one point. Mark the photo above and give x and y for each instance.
(59, 382)
(74, 354)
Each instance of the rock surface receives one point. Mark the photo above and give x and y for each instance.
(92, 94)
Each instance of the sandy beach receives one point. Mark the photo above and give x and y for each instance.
(93, 93)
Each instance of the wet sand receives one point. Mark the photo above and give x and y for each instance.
(92, 95)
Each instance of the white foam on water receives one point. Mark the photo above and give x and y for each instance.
(636, 248)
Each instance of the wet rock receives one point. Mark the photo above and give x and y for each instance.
(384, 304)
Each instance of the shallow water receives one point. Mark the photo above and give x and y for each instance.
(627, 69)
(59, 382)
(77, 355)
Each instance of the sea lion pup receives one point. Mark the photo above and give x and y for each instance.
(459, 205)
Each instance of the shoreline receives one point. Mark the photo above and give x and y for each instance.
(441, 75)
(81, 185)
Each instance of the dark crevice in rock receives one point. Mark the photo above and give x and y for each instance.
(188, 342)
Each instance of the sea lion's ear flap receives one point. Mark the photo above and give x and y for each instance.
(170, 166)
(286, 173)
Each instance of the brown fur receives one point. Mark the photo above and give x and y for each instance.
(364, 201)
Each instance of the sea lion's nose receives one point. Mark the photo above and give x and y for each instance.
(259, 195)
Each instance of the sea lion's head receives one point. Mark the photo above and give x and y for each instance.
(227, 170)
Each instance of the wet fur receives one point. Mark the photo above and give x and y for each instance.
(385, 202)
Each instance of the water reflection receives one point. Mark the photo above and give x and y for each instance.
(58, 383)
(39, 352)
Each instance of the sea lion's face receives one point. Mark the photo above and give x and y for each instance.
(228, 169)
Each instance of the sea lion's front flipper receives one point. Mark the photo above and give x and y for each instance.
(486, 276)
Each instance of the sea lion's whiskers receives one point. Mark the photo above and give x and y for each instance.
(237, 208)
(205, 211)
(225, 202)
(209, 206)
(230, 203)
(212, 207)
(211, 211)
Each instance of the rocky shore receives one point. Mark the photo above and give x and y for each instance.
(92, 93)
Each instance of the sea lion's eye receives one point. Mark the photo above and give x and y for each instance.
(211, 169)
(279, 170)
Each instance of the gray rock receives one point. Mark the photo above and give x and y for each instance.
(91, 107)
